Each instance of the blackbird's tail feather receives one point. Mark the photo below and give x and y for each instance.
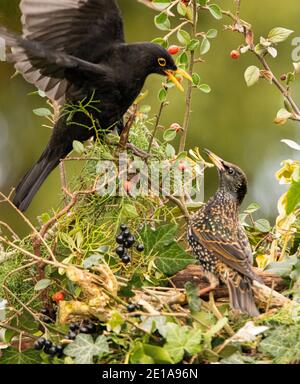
(35, 177)
(241, 297)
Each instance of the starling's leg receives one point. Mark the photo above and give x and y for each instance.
(213, 283)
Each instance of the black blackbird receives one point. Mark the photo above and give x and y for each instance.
(219, 240)
(75, 49)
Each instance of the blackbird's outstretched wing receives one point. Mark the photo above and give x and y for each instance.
(61, 28)
(228, 249)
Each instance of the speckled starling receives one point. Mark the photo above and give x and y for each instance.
(219, 240)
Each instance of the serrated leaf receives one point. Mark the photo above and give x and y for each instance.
(173, 259)
(84, 349)
(13, 357)
(182, 339)
(277, 35)
(252, 75)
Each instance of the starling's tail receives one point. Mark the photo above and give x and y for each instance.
(241, 297)
(35, 177)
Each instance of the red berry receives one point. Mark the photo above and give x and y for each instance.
(235, 54)
(173, 49)
(177, 127)
(58, 296)
(283, 77)
(127, 186)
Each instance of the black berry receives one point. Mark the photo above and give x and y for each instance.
(120, 239)
(52, 351)
(84, 329)
(126, 259)
(140, 247)
(126, 233)
(91, 327)
(39, 343)
(71, 335)
(59, 350)
(131, 308)
(45, 311)
(123, 227)
(48, 344)
(120, 251)
(74, 327)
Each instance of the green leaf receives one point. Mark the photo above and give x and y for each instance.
(283, 344)
(156, 239)
(196, 79)
(253, 207)
(170, 151)
(13, 356)
(192, 293)
(91, 261)
(205, 46)
(84, 349)
(215, 11)
(42, 284)
(158, 354)
(293, 197)
(182, 339)
(78, 147)
(173, 259)
(169, 134)
(211, 33)
(183, 37)
(181, 9)
(162, 22)
(161, 42)
(129, 211)
(283, 268)
(204, 88)
(262, 225)
(252, 75)
(277, 35)
(42, 112)
(194, 44)
(162, 95)
(115, 323)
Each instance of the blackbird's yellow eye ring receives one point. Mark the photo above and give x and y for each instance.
(162, 62)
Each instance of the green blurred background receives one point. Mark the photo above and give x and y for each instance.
(234, 121)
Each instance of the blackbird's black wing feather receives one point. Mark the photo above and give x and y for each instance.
(80, 28)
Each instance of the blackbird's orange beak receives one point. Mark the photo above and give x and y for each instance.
(219, 163)
(171, 76)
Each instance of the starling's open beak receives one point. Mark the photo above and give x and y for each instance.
(171, 76)
(219, 163)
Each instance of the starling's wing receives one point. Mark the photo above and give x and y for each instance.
(73, 27)
(244, 242)
(228, 249)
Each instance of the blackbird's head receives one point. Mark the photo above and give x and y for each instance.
(232, 179)
(157, 60)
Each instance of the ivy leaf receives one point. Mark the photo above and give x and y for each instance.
(283, 344)
(192, 293)
(13, 356)
(252, 75)
(215, 11)
(84, 349)
(158, 354)
(182, 339)
(283, 268)
(277, 35)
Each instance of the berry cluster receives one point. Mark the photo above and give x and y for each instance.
(48, 347)
(48, 315)
(76, 328)
(126, 241)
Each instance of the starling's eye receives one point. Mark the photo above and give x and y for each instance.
(162, 62)
(230, 171)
